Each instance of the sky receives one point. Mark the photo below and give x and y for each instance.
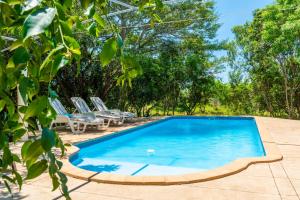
(232, 13)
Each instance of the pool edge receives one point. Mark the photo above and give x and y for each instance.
(273, 154)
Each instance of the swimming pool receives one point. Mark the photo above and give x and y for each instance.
(172, 146)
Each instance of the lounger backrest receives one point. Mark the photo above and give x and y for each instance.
(98, 103)
(58, 107)
(80, 105)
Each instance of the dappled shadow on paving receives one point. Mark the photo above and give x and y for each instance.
(5, 195)
(77, 187)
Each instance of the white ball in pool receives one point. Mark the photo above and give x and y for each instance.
(150, 151)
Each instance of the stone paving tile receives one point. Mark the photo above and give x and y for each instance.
(285, 187)
(290, 198)
(280, 127)
(296, 184)
(292, 139)
(172, 192)
(263, 185)
(210, 194)
(34, 192)
(45, 181)
(127, 192)
(293, 172)
(277, 170)
(290, 150)
(291, 161)
(89, 196)
(257, 170)
(292, 167)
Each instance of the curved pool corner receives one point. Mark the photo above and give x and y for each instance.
(272, 154)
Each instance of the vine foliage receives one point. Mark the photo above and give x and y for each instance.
(38, 38)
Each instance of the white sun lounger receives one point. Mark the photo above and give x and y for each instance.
(100, 106)
(77, 122)
(82, 107)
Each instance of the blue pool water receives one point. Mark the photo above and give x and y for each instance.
(177, 145)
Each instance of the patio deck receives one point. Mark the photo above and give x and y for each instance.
(279, 180)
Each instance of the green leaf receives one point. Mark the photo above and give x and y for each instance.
(48, 139)
(36, 169)
(156, 18)
(22, 109)
(120, 41)
(85, 3)
(24, 149)
(92, 29)
(159, 3)
(19, 179)
(36, 107)
(27, 88)
(14, 2)
(34, 151)
(109, 51)
(75, 51)
(20, 56)
(10, 63)
(55, 183)
(63, 180)
(16, 44)
(38, 21)
(59, 164)
(7, 186)
(52, 93)
(59, 62)
(67, 4)
(60, 11)
(90, 11)
(8, 178)
(79, 24)
(7, 157)
(67, 30)
(2, 104)
(72, 42)
(99, 20)
(3, 140)
(16, 158)
(11, 109)
(19, 134)
(10, 105)
(48, 58)
(68, 145)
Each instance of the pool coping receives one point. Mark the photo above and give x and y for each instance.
(272, 152)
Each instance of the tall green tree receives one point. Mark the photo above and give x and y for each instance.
(270, 44)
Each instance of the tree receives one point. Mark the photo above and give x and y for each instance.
(270, 44)
(40, 39)
(146, 88)
(141, 36)
(197, 87)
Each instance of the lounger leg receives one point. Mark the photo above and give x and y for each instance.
(84, 128)
(122, 121)
(76, 130)
(107, 125)
(72, 126)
